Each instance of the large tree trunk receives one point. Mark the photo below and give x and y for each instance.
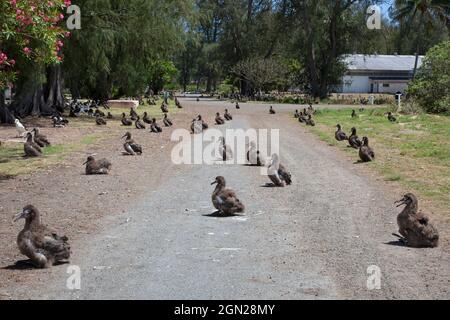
(37, 98)
(5, 114)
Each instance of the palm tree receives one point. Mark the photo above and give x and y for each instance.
(426, 11)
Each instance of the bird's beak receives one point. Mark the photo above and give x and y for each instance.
(215, 182)
(400, 202)
(19, 216)
(84, 163)
(124, 136)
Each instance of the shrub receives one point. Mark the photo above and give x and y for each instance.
(431, 87)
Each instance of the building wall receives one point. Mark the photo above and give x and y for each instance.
(355, 84)
(393, 87)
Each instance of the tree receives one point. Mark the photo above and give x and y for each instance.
(124, 46)
(427, 11)
(30, 40)
(261, 74)
(431, 87)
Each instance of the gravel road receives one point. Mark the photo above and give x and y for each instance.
(312, 240)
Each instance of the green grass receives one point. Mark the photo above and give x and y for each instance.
(13, 162)
(414, 152)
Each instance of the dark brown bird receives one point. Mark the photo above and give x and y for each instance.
(302, 118)
(40, 139)
(254, 156)
(139, 125)
(126, 122)
(225, 199)
(133, 114)
(271, 110)
(365, 151)
(219, 120)
(31, 148)
(391, 117)
(225, 150)
(93, 166)
(340, 135)
(39, 243)
(310, 121)
(414, 226)
(110, 116)
(167, 122)
(100, 121)
(237, 105)
(99, 113)
(155, 127)
(278, 173)
(296, 114)
(227, 115)
(147, 119)
(130, 145)
(354, 140)
(354, 115)
(164, 108)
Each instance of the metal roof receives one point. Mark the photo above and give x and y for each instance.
(381, 62)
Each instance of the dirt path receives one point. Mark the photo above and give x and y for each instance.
(315, 239)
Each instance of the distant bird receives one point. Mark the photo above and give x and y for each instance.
(147, 119)
(354, 115)
(414, 226)
(178, 104)
(311, 110)
(365, 151)
(93, 166)
(138, 124)
(302, 118)
(40, 139)
(110, 116)
(310, 121)
(154, 127)
(277, 172)
(21, 130)
(254, 156)
(296, 114)
(59, 122)
(391, 118)
(225, 150)
(340, 135)
(31, 148)
(227, 115)
(219, 120)
(164, 108)
(237, 105)
(133, 114)
(198, 125)
(130, 145)
(99, 113)
(354, 140)
(225, 199)
(167, 122)
(126, 122)
(40, 244)
(271, 110)
(100, 121)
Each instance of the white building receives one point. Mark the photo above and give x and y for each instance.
(377, 73)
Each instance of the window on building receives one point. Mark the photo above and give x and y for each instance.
(386, 85)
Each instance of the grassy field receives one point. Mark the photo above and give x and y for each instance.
(12, 162)
(414, 152)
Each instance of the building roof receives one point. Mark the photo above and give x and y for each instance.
(381, 62)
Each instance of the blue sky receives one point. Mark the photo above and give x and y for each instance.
(386, 5)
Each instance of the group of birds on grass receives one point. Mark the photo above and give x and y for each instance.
(305, 116)
(44, 247)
